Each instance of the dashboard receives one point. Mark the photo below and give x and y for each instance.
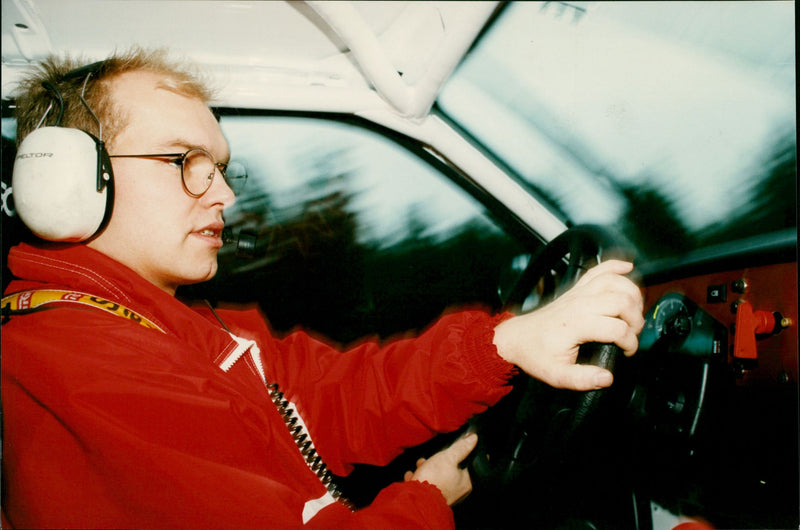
(716, 396)
(770, 289)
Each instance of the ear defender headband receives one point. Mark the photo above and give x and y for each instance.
(62, 182)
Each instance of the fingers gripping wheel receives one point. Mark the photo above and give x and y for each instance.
(537, 425)
(63, 184)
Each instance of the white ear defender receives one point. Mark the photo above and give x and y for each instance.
(62, 180)
(55, 185)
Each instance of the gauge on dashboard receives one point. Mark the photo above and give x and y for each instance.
(676, 324)
(671, 319)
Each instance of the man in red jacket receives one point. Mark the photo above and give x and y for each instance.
(123, 407)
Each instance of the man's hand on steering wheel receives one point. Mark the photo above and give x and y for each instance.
(603, 306)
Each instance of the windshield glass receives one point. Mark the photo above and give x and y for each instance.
(673, 121)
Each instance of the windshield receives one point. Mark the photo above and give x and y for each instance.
(673, 121)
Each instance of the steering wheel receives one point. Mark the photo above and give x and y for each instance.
(535, 423)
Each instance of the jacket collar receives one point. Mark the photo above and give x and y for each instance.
(77, 267)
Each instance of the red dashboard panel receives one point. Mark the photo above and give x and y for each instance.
(771, 288)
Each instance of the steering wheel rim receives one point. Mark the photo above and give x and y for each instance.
(547, 436)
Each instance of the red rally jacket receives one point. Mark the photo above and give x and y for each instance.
(109, 424)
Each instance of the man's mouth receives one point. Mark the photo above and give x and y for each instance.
(211, 230)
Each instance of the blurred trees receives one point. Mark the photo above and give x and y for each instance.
(772, 192)
(654, 226)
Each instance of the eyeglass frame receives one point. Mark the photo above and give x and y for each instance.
(222, 167)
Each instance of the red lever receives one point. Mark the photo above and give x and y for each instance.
(748, 324)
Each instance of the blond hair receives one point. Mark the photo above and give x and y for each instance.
(34, 98)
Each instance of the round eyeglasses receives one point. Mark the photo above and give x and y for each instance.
(198, 168)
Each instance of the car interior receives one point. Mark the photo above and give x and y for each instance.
(407, 159)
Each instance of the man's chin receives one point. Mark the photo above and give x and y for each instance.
(201, 276)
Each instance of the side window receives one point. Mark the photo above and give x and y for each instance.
(345, 232)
